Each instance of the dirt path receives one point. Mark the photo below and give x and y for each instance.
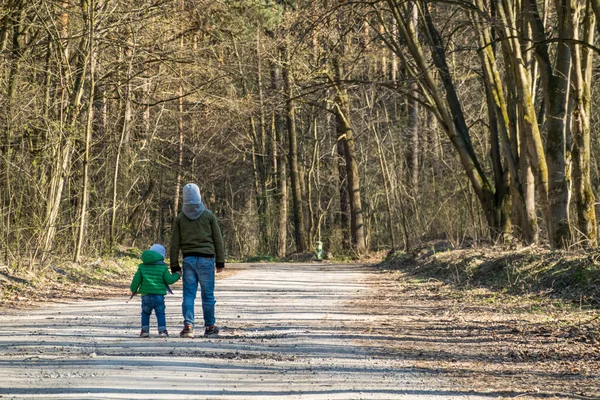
(288, 332)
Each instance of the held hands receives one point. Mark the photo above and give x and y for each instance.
(176, 269)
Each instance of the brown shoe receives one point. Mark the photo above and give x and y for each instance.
(187, 332)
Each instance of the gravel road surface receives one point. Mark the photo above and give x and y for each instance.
(288, 331)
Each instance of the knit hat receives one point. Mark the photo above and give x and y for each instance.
(160, 249)
(192, 201)
(191, 194)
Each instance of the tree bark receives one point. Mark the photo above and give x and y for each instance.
(64, 153)
(88, 7)
(530, 134)
(413, 119)
(499, 122)
(582, 78)
(299, 228)
(386, 187)
(179, 147)
(344, 212)
(13, 79)
(263, 209)
(555, 84)
(346, 136)
(454, 117)
(279, 156)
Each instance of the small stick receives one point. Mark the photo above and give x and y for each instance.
(131, 297)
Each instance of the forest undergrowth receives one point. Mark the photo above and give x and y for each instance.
(521, 323)
(569, 276)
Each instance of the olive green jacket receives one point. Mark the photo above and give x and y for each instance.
(201, 236)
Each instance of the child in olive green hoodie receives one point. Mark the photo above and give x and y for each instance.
(151, 280)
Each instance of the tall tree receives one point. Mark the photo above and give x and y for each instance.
(298, 210)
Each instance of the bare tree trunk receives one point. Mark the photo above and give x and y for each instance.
(582, 78)
(530, 227)
(413, 119)
(502, 228)
(89, 17)
(524, 206)
(530, 135)
(64, 153)
(280, 158)
(299, 227)
(413, 139)
(283, 194)
(180, 129)
(455, 120)
(261, 139)
(310, 177)
(180, 146)
(386, 186)
(344, 213)
(13, 79)
(499, 122)
(555, 79)
(346, 135)
(124, 134)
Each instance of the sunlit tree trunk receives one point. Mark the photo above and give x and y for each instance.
(413, 119)
(264, 214)
(555, 86)
(582, 79)
(88, 8)
(180, 129)
(529, 137)
(279, 157)
(68, 126)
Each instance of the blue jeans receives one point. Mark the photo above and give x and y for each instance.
(154, 302)
(198, 270)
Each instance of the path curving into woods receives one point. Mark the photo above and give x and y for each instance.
(289, 331)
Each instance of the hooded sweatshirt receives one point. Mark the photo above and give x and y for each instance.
(192, 201)
(196, 231)
(152, 276)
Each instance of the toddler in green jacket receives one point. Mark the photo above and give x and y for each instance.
(151, 280)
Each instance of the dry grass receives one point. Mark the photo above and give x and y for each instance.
(515, 324)
(67, 281)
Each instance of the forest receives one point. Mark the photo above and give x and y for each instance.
(366, 125)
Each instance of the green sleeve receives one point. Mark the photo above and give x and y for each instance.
(136, 281)
(217, 240)
(170, 278)
(175, 244)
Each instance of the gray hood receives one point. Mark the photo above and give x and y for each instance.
(192, 201)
